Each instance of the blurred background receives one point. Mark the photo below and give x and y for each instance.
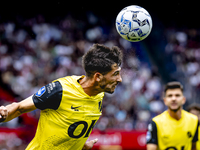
(43, 41)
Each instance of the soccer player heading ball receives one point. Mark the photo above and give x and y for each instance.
(70, 106)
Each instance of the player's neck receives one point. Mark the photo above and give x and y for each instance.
(89, 86)
(175, 114)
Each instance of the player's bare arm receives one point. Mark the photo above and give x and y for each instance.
(88, 145)
(14, 110)
(151, 146)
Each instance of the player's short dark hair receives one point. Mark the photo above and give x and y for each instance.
(194, 106)
(173, 85)
(100, 58)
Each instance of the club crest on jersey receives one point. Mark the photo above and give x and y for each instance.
(189, 134)
(148, 136)
(41, 91)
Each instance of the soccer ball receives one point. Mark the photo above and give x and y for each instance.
(134, 23)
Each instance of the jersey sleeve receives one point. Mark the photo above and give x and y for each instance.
(151, 136)
(49, 96)
(195, 138)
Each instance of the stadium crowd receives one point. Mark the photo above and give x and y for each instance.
(34, 52)
(183, 49)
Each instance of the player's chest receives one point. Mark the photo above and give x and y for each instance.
(175, 133)
(81, 108)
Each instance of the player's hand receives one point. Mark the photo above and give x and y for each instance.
(3, 113)
(88, 145)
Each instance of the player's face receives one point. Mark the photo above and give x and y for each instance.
(111, 79)
(174, 99)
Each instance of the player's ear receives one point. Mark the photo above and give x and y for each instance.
(164, 100)
(98, 76)
(184, 100)
(163, 95)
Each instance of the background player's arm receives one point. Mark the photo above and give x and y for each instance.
(151, 146)
(14, 110)
(195, 138)
(152, 140)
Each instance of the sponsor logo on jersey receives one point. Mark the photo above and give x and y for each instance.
(75, 108)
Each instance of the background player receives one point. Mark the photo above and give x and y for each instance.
(175, 128)
(195, 109)
(71, 105)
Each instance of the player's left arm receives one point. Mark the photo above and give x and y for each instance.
(195, 138)
(88, 145)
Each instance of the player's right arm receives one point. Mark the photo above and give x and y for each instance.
(14, 110)
(152, 140)
(49, 96)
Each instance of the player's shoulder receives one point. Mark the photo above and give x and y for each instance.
(100, 95)
(161, 117)
(69, 80)
(189, 115)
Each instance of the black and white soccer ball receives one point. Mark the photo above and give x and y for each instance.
(134, 23)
